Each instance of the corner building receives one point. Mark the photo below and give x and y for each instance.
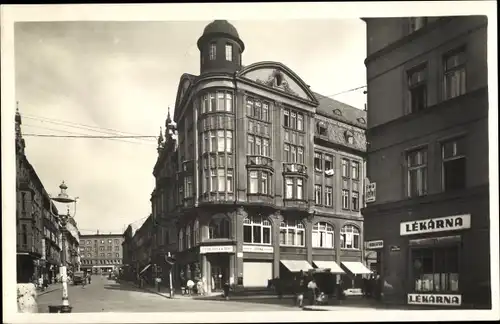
(269, 174)
(428, 218)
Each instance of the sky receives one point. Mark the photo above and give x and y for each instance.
(123, 76)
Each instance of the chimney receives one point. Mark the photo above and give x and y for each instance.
(97, 232)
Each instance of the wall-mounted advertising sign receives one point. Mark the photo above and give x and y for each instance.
(371, 192)
(217, 249)
(374, 245)
(258, 249)
(432, 299)
(432, 225)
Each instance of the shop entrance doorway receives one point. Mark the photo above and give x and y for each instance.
(219, 271)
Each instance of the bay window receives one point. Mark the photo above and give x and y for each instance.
(221, 175)
(292, 233)
(294, 188)
(219, 227)
(288, 188)
(217, 141)
(322, 235)
(349, 238)
(212, 51)
(213, 182)
(259, 182)
(217, 101)
(229, 181)
(300, 188)
(256, 230)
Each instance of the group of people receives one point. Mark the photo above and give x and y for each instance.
(372, 286)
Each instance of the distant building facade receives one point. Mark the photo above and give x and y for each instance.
(261, 177)
(101, 253)
(137, 249)
(38, 243)
(428, 215)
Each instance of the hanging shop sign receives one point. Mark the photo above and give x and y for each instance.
(258, 249)
(371, 192)
(374, 245)
(217, 249)
(432, 299)
(432, 225)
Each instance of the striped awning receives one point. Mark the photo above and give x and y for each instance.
(356, 267)
(297, 265)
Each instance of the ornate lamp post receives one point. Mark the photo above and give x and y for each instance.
(64, 198)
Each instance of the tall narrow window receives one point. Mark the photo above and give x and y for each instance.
(288, 188)
(328, 196)
(318, 163)
(229, 102)
(300, 188)
(286, 148)
(417, 87)
(213, 184)
(454, 165)
(345, 199)
(23, 201)
(355, 170)
(264, 184)
(250, 146)
(300, 122)
(229, 52)
(24, 233)
(328, 162)
(212, 51)
(454, 75)
(229, 180)
(213, 102)
(417, 173)
(317, 194)
(265, 148)
(221, 100)
(220, 141)
(355, 201)
(345, 168)
(229, 141)
(213, 141)
(254, 182)
(300, 155)
(286, 118)
(265, 112)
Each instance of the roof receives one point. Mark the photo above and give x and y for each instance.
(137, 225)
(340, 111)
(220, 28)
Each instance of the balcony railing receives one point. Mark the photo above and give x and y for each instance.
(292, 167)
(259, 160)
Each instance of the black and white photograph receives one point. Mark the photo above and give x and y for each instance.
(232, 162)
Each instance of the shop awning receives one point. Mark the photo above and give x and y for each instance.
(297, 265)
(356, 267)
(332, 265)
(145, 268)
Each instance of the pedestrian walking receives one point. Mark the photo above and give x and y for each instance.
(190, 285)
(226, 289)
(312, 291)
(90, 277)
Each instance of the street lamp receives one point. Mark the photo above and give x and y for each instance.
(64, 198)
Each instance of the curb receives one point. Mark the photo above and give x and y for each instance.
(48, 291)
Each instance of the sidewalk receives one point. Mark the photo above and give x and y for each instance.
(50, 288)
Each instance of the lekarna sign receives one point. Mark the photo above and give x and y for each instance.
(432, 299)
(432, 225)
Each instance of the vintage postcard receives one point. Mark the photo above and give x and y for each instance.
(235, 162)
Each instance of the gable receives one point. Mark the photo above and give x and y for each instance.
(279, 77)
(182, 90)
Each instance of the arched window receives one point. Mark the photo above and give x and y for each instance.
(219, 227)
(256, 230)
(181, 239)
(188, 237)
(322, 235)
(196, 232)
(292, 233)
(349, 237)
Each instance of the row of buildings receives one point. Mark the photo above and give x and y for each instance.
(260, 176)
(100, 252)
(39, 241)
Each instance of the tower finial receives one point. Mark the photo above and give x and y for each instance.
(169, 120)
(160, 139)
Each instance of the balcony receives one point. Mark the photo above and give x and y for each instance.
(294, 168)
(259, 161)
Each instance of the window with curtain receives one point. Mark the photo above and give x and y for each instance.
(322, 235)
(349, 238)
(256, 230)
(292, 233)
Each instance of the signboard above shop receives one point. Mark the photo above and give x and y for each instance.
(374, 245)
(434, 299)
(432, 225)
(258, 249)
(217, 249)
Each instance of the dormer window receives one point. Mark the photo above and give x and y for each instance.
(349, 137)
(229, 52)
(212, 52)
(321, 128)
(337, 112)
